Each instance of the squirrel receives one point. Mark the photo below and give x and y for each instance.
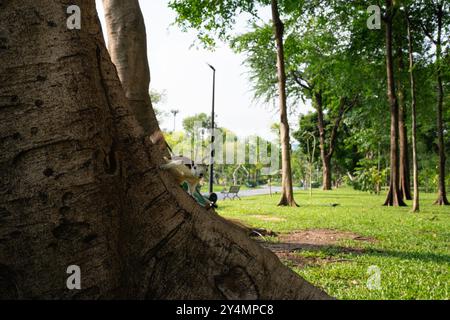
(190, 173)
(183, 173)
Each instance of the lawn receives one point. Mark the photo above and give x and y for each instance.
(411, 251)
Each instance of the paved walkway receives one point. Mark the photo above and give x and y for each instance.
(255, 192)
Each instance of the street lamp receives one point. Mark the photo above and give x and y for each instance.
(174, 112)
(211, 164)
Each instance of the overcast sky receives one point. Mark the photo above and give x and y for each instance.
(180, 69)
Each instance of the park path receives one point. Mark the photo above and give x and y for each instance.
(255, 192)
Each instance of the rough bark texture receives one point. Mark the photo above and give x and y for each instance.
(287, 193)
(81, 185)
(442, 195)
(394, 197)
(404, 171)
(416, 206)
(127, 46)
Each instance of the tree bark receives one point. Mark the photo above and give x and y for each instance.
(404, 171)
(81, 185)
(287, 193)
(416, 206)
(326, 172)
(442, 195)
(127, 46)
(326, 161)
(394, 197)
(326, 154)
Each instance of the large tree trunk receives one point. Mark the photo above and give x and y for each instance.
(442, 195)
(127, 46)
(394, 197)
(415, 207)
(404, 172)
(81, 185)
(287, 193)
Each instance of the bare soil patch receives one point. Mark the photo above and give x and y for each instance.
(298, 261)
(289, 245)
(268, 218)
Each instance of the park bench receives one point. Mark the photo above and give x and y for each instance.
(232, 193)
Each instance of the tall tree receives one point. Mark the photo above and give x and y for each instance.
(81, 185)
(416, 206)
(318, 70)
(287, 193)
(394, 197)
(404, 170)
(438, 15)
(217, 19)
(127, 46)
(327, 153)
(327, 138)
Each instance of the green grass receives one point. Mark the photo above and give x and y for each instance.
(411, 250)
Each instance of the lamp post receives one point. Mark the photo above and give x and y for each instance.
(174, 112)
(211, 163)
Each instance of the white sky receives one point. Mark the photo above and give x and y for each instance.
(181, 71)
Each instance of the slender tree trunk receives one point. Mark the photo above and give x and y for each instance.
(404, 172)
(287, 193)
(442, 195)
(394, 197)
(81, 185)
(416, 206)
(326, 173)
(326, 154)
(326, 160)
(127, 46)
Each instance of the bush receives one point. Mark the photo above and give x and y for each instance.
(367, 177)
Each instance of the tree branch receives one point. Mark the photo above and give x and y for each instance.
(298, 79)
(344, 107)
(427, 33)
(337, 122)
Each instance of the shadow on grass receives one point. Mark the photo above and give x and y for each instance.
(422, 256)
(338, 195)
(328, 249)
